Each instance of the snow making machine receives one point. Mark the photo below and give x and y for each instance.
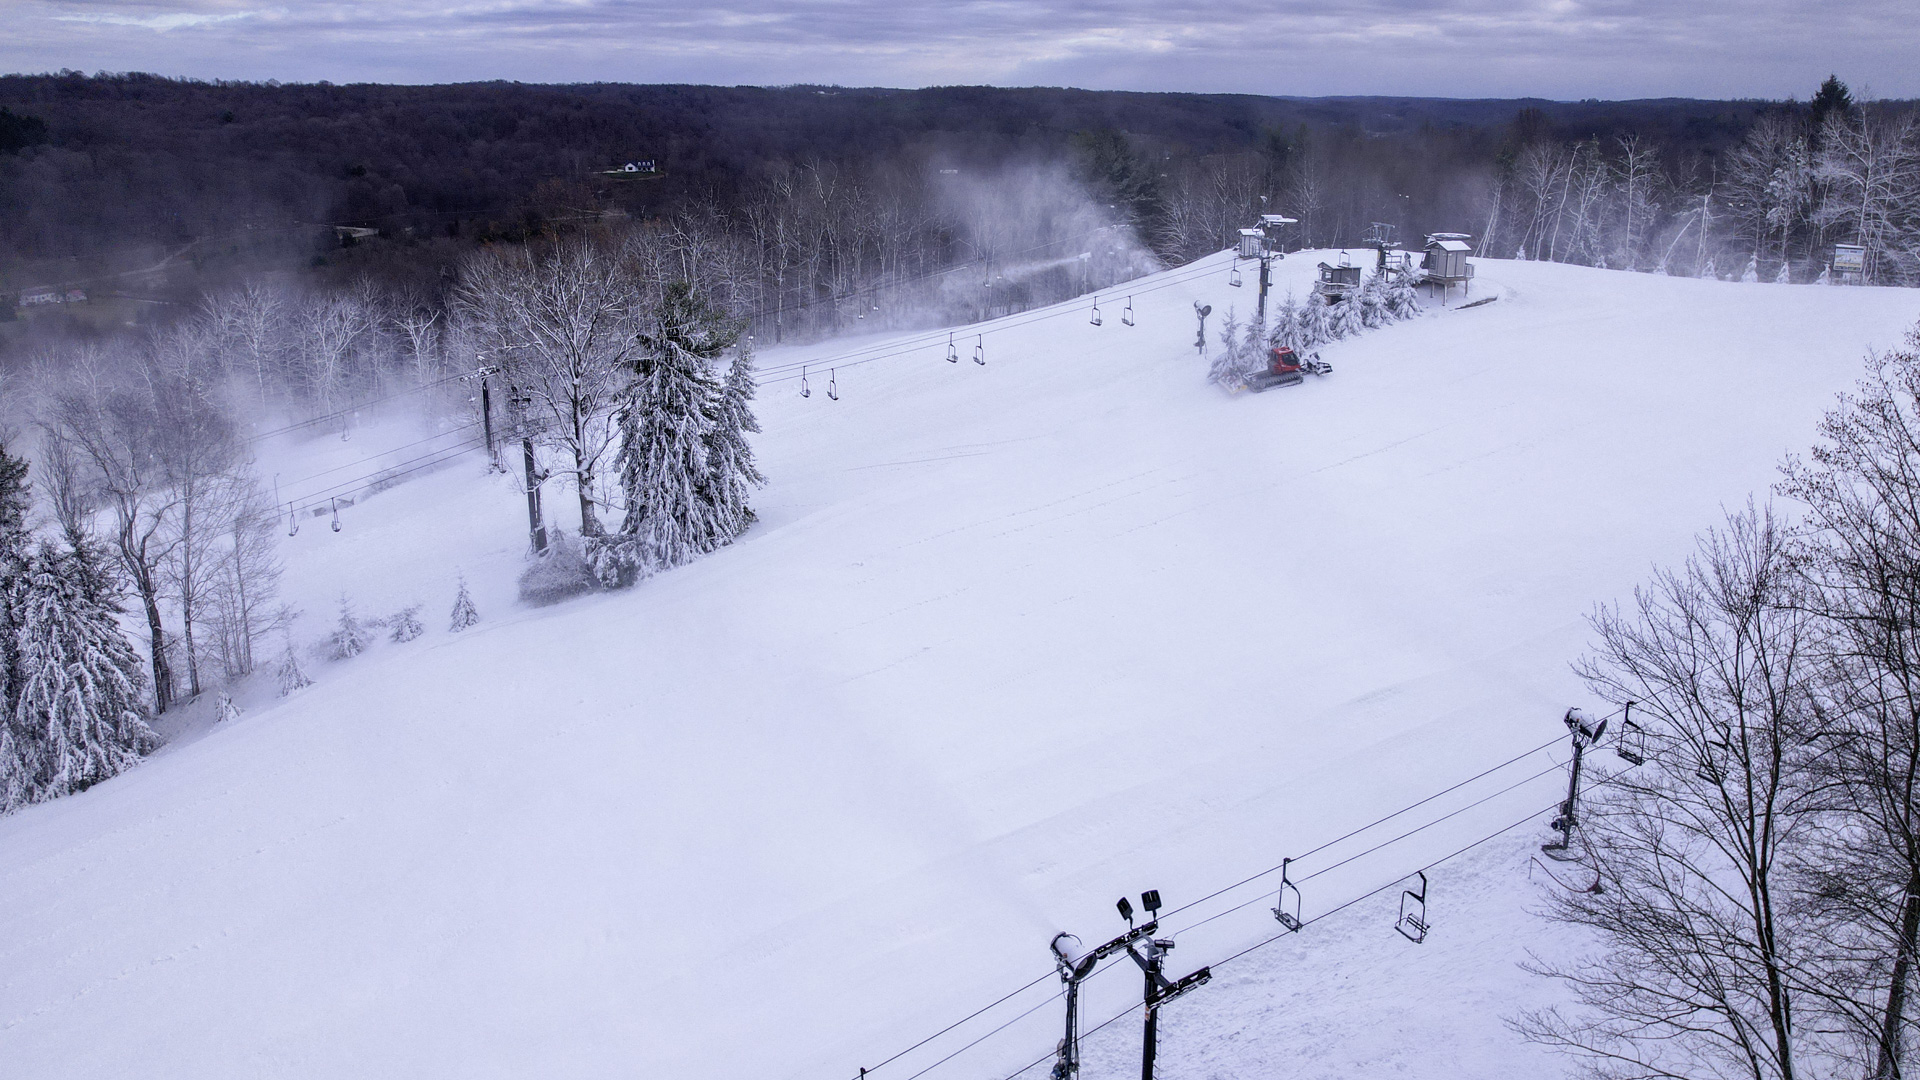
(1286, 368)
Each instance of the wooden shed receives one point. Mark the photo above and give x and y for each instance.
(1446, 262)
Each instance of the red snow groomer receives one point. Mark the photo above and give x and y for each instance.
(1286, 368)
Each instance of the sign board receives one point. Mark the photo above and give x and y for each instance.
(1850, 258)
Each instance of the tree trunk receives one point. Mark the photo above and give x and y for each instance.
(1887, 1066)
(157, 637)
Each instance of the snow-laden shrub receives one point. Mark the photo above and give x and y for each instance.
(349, 638)
(464, 613)
(405, 624)
(561, 572)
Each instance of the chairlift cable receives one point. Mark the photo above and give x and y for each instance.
(1532, 817)
(1370, 825)
(432, 457)
(1248, 880)
(389, 450)
(984, 1008)
(1178, 275)
(1261, 898)
(1035, 1008)
(351, 409)
(916, 343)
(925, 338)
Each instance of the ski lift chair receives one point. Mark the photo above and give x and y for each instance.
(1412, 923)
(1286, 907)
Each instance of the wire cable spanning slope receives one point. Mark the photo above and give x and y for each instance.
(791, 371)
(1374, 824)
(1329, 913)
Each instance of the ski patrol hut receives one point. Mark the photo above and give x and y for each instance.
(1446, 262)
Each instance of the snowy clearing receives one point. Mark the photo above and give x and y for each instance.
(1009, 641)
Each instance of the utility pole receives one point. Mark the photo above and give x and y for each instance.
(1265, 244)
(486, 411)
(536, 529)
(1159, 989)
(1585, 733)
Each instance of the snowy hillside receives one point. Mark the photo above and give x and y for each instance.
(1010, 640)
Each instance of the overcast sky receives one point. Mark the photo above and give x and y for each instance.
(1452, 48)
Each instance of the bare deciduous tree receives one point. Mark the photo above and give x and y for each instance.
(1695, 973)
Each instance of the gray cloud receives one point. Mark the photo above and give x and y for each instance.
(1456, 48)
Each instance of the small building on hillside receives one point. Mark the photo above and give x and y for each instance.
(1446, 262)
(1849, 265)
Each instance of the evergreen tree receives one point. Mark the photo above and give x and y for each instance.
(1346, 319)
(1286, 324)
(349, 639)
(1833, 98)
(15, 499)
(1402, 300)
(731, 472)
(1372, 301)
(464, 613)
(1315, 329)
(1752, 272)
(290, 676)
(227, 711)
(1229, 366)
(663, 450)
(406, 624)
(79, 717)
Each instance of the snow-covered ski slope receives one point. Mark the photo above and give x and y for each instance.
(1009, 641)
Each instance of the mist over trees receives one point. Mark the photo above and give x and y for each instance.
(816, 210)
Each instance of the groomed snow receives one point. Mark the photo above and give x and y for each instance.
(1009, 641)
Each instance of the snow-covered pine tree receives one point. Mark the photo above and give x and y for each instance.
(1315, 329)
(1373, 302)
(464, 613)
(227, 711)
(663, 451)
(80, 716)
(1285, 331)
(406, 624)
(731, 472)
(290, 675)
(15, 499)
(349, 639)
(1228, 367)
(1346, 319)
(1402, 299)
(1785, 276)
(1752, 272)
(1709, 270)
